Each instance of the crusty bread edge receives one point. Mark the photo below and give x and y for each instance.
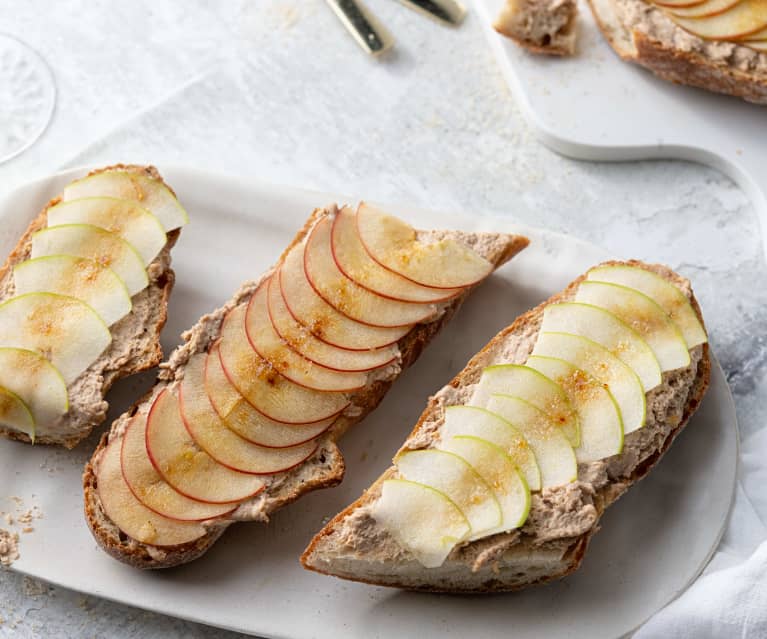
(154, 354)
(470, 374)
(144, 556)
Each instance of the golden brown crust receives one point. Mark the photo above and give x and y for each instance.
(603, 497)
(331, 462)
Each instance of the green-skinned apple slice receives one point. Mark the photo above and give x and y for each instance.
(150, 193)
(480, 422)
(92, 242)
(599, 415)
(395, 245)
(354, 262)
(532, 386)
(226, 447)
(348, 297)
(87, 280)
(37, 382)
(151, 489)
(186, 466)
(263, 386)
(605, 329)
(499, 472)
(705, 9)
(15, 414)
(745, 18)
(597, 361)
(303, 342)
(642, 314)
(553, 451)
(239, 416)
(130, 515)
(65, 330)
(133, 223)
(321, 319)
(663, 292)
(423, 520)
(267, 343)
(455, 477)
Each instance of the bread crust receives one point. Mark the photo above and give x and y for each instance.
(323, 544)
(561, 43)
(158, 292)
(324, 469)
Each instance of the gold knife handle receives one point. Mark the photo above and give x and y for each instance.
(450, 11)
(363, 25)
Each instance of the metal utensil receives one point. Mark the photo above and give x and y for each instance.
(449, 11)
(363, 25)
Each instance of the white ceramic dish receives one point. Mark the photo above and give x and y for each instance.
(593, 106)
(653, 542)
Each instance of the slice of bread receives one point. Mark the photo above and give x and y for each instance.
(135, 342)
(562, 520)
(540, 26)
(640, 32)
(325, 467)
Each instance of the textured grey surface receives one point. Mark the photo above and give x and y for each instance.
(279, 91)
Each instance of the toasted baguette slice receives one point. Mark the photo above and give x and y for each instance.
(354, 546)
(135, 344)
(540, 26)
(640, 32)
(325, 467)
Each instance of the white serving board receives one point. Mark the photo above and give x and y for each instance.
(653, 542)
(594, 106)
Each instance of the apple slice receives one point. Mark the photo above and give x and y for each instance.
(553, 452)
(678, 3)
(240, 417)
(151, 489)
(597, 361)
(423, 520)
(263, 386)
(745, 18)
(395, 245)
(87, 280)
(321, 319)
(757, 46)
(303, 342)
(758, 36)
(705, 9)
(133, 223)
(37, 382)
(130, 515)
(85, 240)
(184, 465)
(454, 476)
(15, 414)
(600, 417)
(65, 330)
(605, 329)
(350, 298)
(267, 343)
(480, 422)
(532, 386)
(152, 194)
(354, 262)
(663, 292)
(643, 315)
(226, 447)
(499, 472)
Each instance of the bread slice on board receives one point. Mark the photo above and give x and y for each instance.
(354, 546)
(540, 26)
(325, 467)
(135, 344)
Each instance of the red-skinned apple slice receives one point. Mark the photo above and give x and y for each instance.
(678, 3)
(226, 447)
(130, 515)
(395, 245)
(268, 344)
(321, 319)
(151, 489)
(240, 417)
(706, 9)
(757, 46)
(759, 36)
(350, 298)
(745, 18)
(303, 342)
(354, 262)
(184, 465)
(273, 394)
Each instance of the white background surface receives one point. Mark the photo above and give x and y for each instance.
(278, 90)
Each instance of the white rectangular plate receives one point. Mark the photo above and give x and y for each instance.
(653, 543)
